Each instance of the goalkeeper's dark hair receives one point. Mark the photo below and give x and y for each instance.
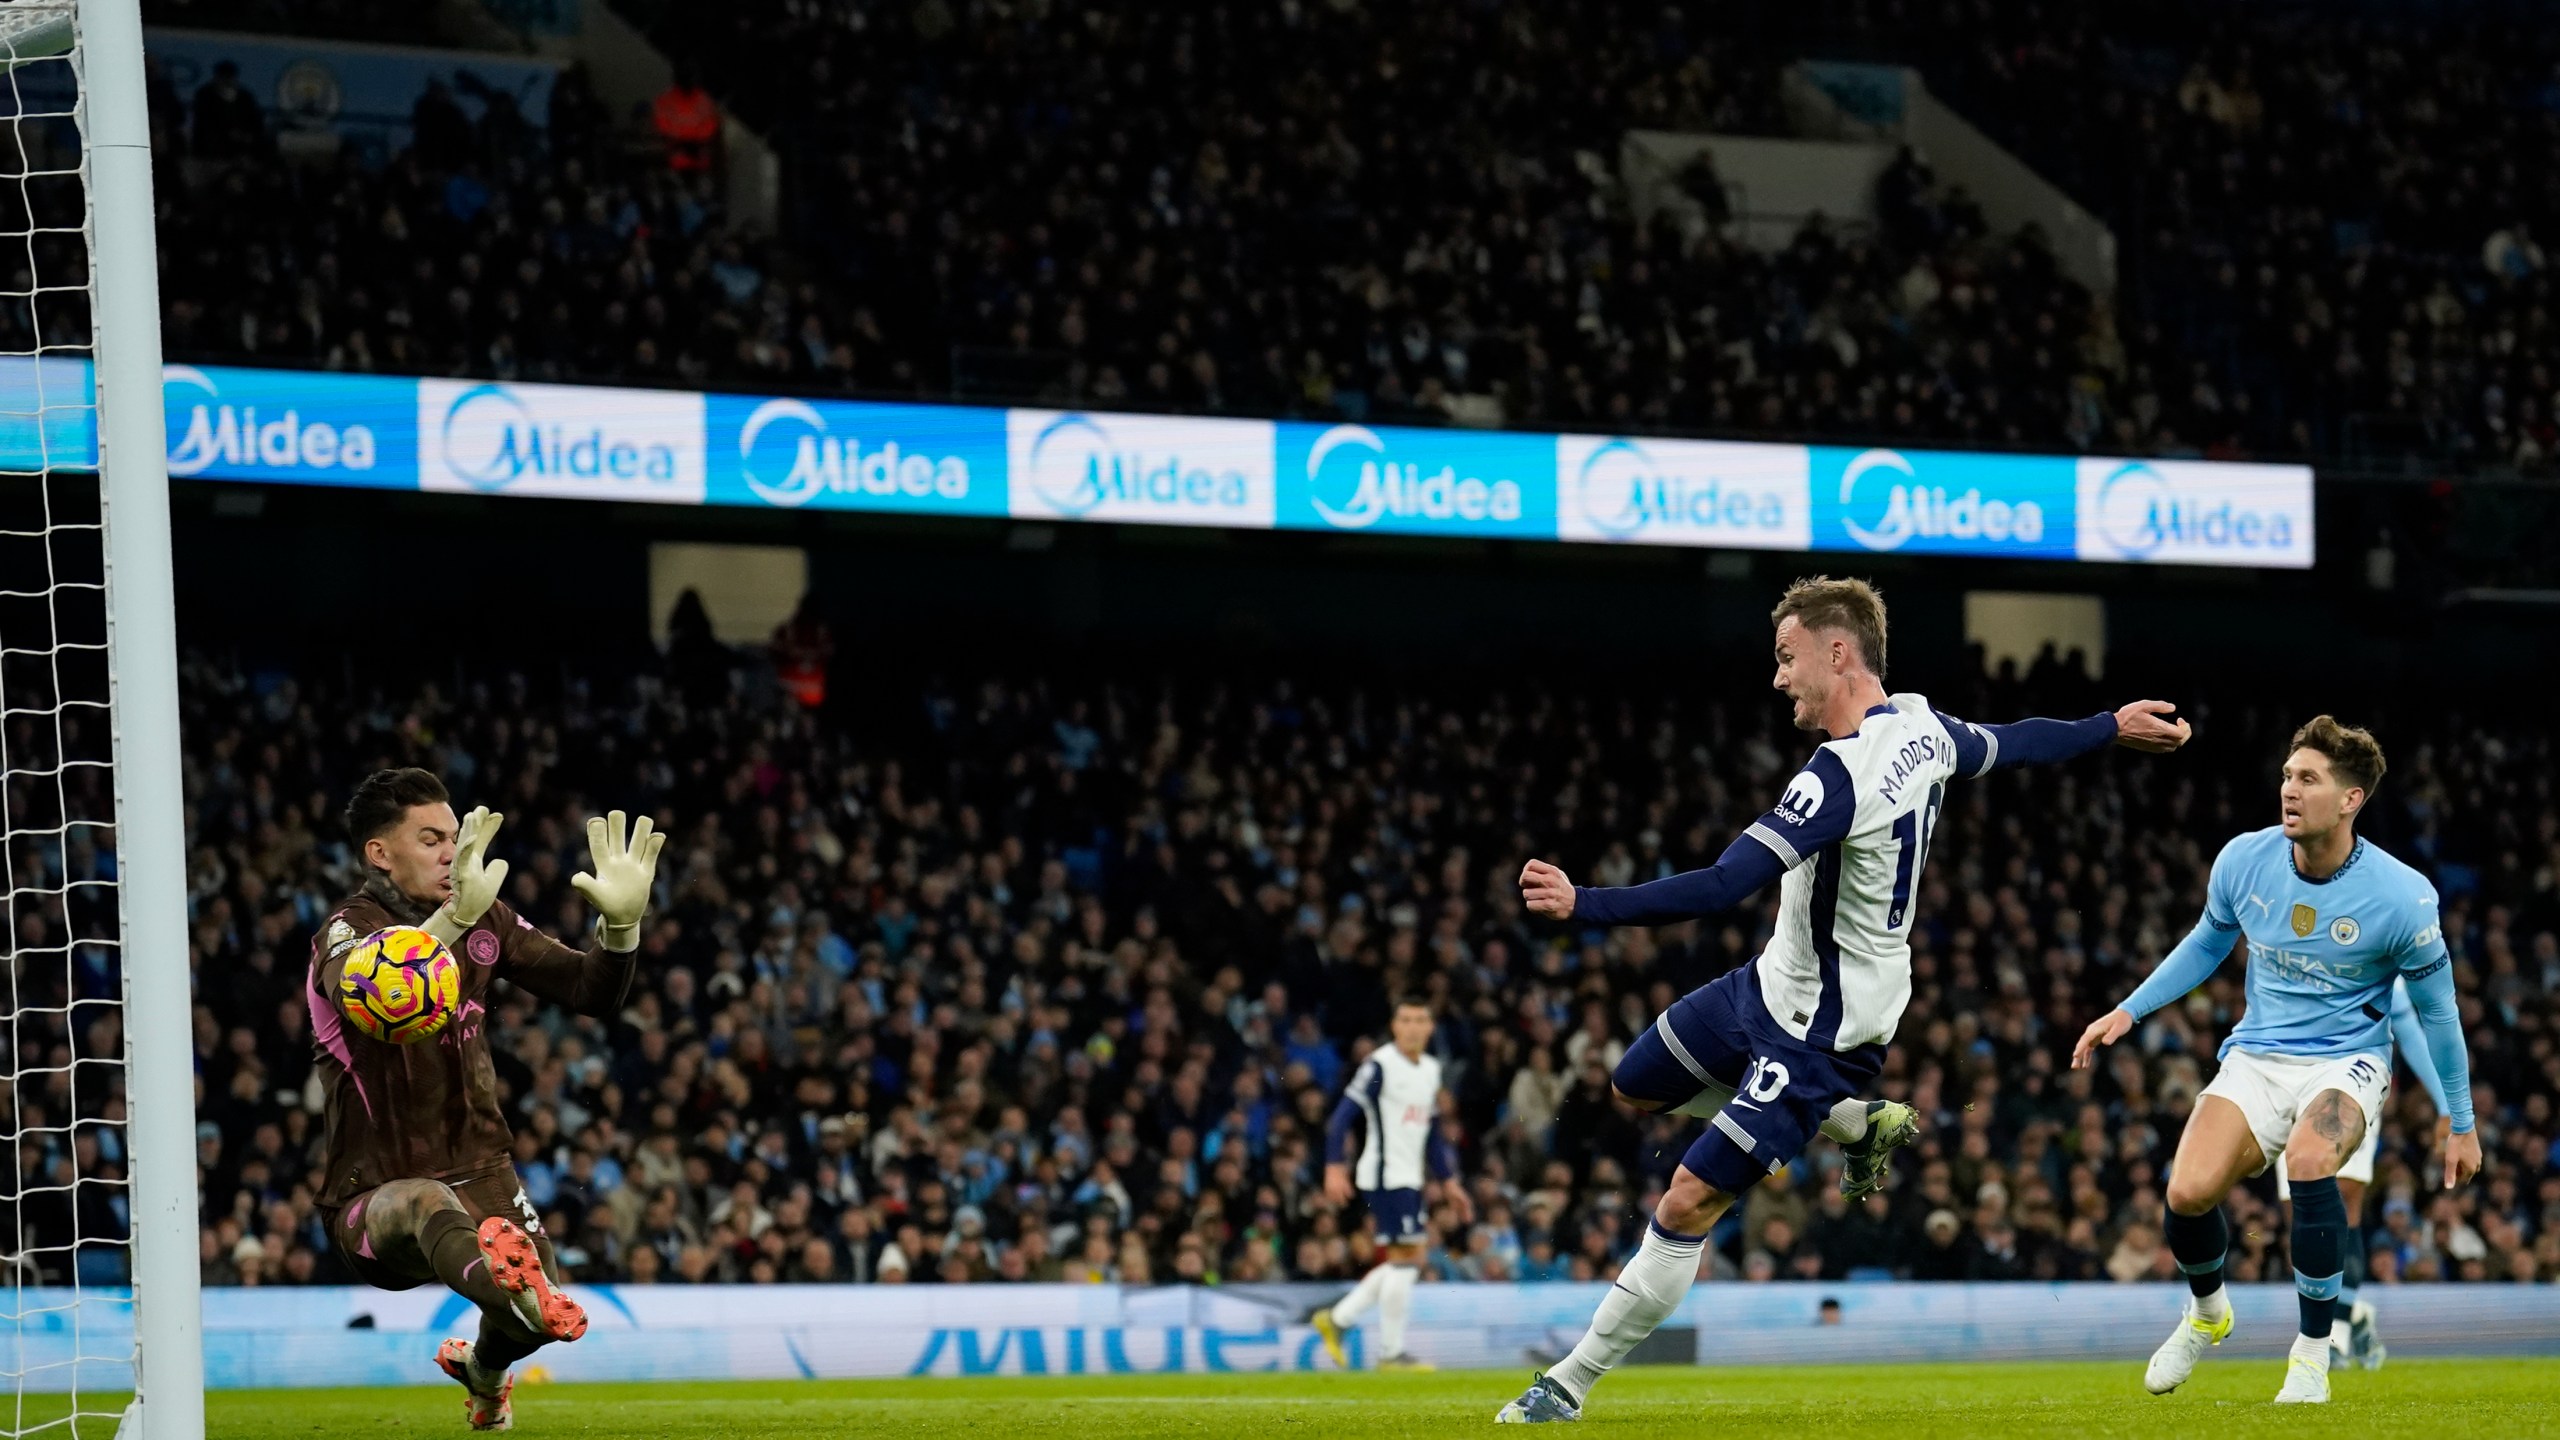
(386, 795)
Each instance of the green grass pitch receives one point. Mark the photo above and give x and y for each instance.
(2433, 1399)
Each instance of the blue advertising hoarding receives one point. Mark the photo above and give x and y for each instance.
(837, 455)
(1392, 480)
(307, 1335)
(230, 424)
(780, 452)
(1947, 502)
(48, 418)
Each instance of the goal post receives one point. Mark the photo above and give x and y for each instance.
(142, 666)
(98, 1041)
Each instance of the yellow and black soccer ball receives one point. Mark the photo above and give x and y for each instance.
(401, 985)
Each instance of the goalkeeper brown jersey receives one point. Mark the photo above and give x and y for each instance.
(429, 1110)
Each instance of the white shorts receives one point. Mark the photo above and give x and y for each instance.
(2272, 1089)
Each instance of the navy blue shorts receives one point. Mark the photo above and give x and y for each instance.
(1783, 1088)
(1395, 1216)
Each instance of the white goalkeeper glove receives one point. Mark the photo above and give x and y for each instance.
(619, 888)
(476, 879)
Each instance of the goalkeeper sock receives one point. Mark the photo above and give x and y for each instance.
(503, 1341)
(2319, 1235)
(1650, 1287)
(2200, 1242)
(451, 1242)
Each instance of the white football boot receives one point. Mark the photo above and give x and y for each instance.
(2306, 1374)
(2176, 1358)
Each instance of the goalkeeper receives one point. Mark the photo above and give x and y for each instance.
(419, 1184)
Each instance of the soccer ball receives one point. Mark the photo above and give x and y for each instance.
(400, 985)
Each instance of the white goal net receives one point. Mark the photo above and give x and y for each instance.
(69, 1207)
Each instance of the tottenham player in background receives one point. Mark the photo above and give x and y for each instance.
(1394, 1103)
(419, 1184)
(2331, 921)
(2354, 1334)
(1794, 1036)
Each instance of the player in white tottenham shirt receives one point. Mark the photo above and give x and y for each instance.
(1783, 1046)
(1393, 1101)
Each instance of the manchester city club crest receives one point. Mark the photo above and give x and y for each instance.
(2305, 920)
(2344, 930)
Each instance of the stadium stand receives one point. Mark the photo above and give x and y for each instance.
(2324, 209)
(2328, 249)
(1051, 983)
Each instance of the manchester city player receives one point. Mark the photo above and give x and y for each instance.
(1793, 1036)
(2330, 921)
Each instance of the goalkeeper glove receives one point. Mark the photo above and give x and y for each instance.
(476, 879)
(619, 888)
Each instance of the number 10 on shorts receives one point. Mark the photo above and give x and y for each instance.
(1766, 1079)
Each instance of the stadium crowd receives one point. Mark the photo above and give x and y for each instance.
(1022, 982)
(2328, 232)
(486, 247)
(2327, 211)
(1206, 208)
(1260, 235)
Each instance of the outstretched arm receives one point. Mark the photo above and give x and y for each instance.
(593, 981)
(2142, 725)
(1746, 865)
(1815, 812)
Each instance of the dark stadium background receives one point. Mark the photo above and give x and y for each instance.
(521, 632)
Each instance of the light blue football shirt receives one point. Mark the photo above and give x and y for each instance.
(2322, 953)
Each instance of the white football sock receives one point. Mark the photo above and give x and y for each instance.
(1395, 1303)
(1848, 1121)
(2312, 1350)
(1650, 1286)
(2213, 1306)
(1363, 1295)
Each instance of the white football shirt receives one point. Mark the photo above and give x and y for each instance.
(1398, 1100)
(1853, 831)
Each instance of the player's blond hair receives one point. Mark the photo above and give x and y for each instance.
(2355, 757)
(1819, 602)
